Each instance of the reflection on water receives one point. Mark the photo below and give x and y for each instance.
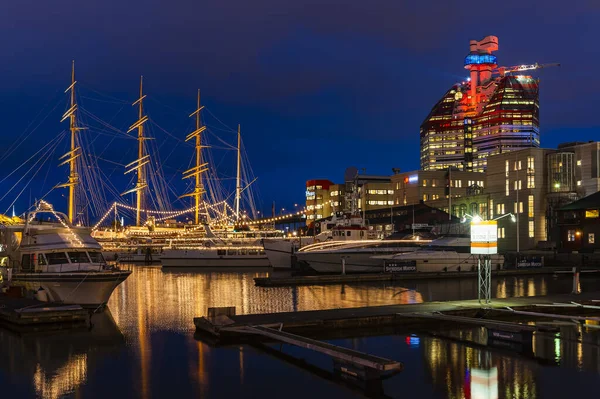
(144, 345)
(56, 363)
(151, 299)
(62, 381)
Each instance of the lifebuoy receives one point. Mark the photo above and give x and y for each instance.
(317, 224)
(207, 244)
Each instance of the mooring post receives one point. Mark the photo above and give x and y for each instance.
(343, 265)
(576, 280)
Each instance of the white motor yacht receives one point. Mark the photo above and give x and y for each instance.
(62, 261)
(443, 254)
(241, 249)
(357, 255)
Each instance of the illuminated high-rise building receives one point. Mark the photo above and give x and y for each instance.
(495, 110)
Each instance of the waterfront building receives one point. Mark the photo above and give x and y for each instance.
(318, 204)
(579, 224)
(324, 198)
(436, 187)
(495, 110)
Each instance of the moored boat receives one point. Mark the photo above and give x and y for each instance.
(60, 262)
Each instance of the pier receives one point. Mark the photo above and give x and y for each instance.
(318, 321)
(28, 314)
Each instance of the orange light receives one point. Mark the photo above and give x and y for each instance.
(578, 233)
(406, 180)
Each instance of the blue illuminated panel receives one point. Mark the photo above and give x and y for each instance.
(478, 59)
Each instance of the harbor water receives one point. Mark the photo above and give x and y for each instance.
(144, 346)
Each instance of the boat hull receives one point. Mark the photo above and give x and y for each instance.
(444, 261)
(92, 289)
(194, 258)
(280, 253)
(332, 262)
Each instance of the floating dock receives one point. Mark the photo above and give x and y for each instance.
(29, 314)
(320, 321)
(374, 277)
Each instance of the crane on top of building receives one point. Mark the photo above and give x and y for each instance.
(503, 71)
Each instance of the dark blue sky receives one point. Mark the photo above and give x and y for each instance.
(317, 85)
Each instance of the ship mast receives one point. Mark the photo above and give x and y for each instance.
(238, 187)
(74, 151)
(200, 167)
(138, 164)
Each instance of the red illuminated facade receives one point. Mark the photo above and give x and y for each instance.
(494, 111)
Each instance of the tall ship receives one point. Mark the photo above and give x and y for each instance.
(155, 227)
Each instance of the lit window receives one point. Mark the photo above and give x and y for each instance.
(571, 235)
(501, 232)
(531, 181)
(507, 188)
(531, 229)
(425, 197)
(591, 238)
(579, 164)
(530, 164)
(506, 168)
(591, 213)
(491, 209)
(579, 182)
(530, 206)
(424, 182)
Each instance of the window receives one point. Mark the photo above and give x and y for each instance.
(507, 167)
(57, 258)
(507, 188)
(334, 193)
(232, 252)
(501, 232)
(530, 181)
(390, 192)
(530, 212)
(518, 208)
(222, 252)
(425, 197)
(531, 229)
(424, 182)
(571, 235)
(500, 209)
(591, 238)
(96, 257)
(390, 202)
(491, 209)
(579, 164)
(591, 213)
(433, 182)
(579, 182)
(517, 184)
(42, 260)
(530, 164)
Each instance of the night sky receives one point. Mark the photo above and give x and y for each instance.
(317, 85)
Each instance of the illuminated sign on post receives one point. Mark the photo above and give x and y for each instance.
(484, 237)
(413, 178)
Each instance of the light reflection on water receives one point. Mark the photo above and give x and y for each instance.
(144, 344)
(170, 300)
